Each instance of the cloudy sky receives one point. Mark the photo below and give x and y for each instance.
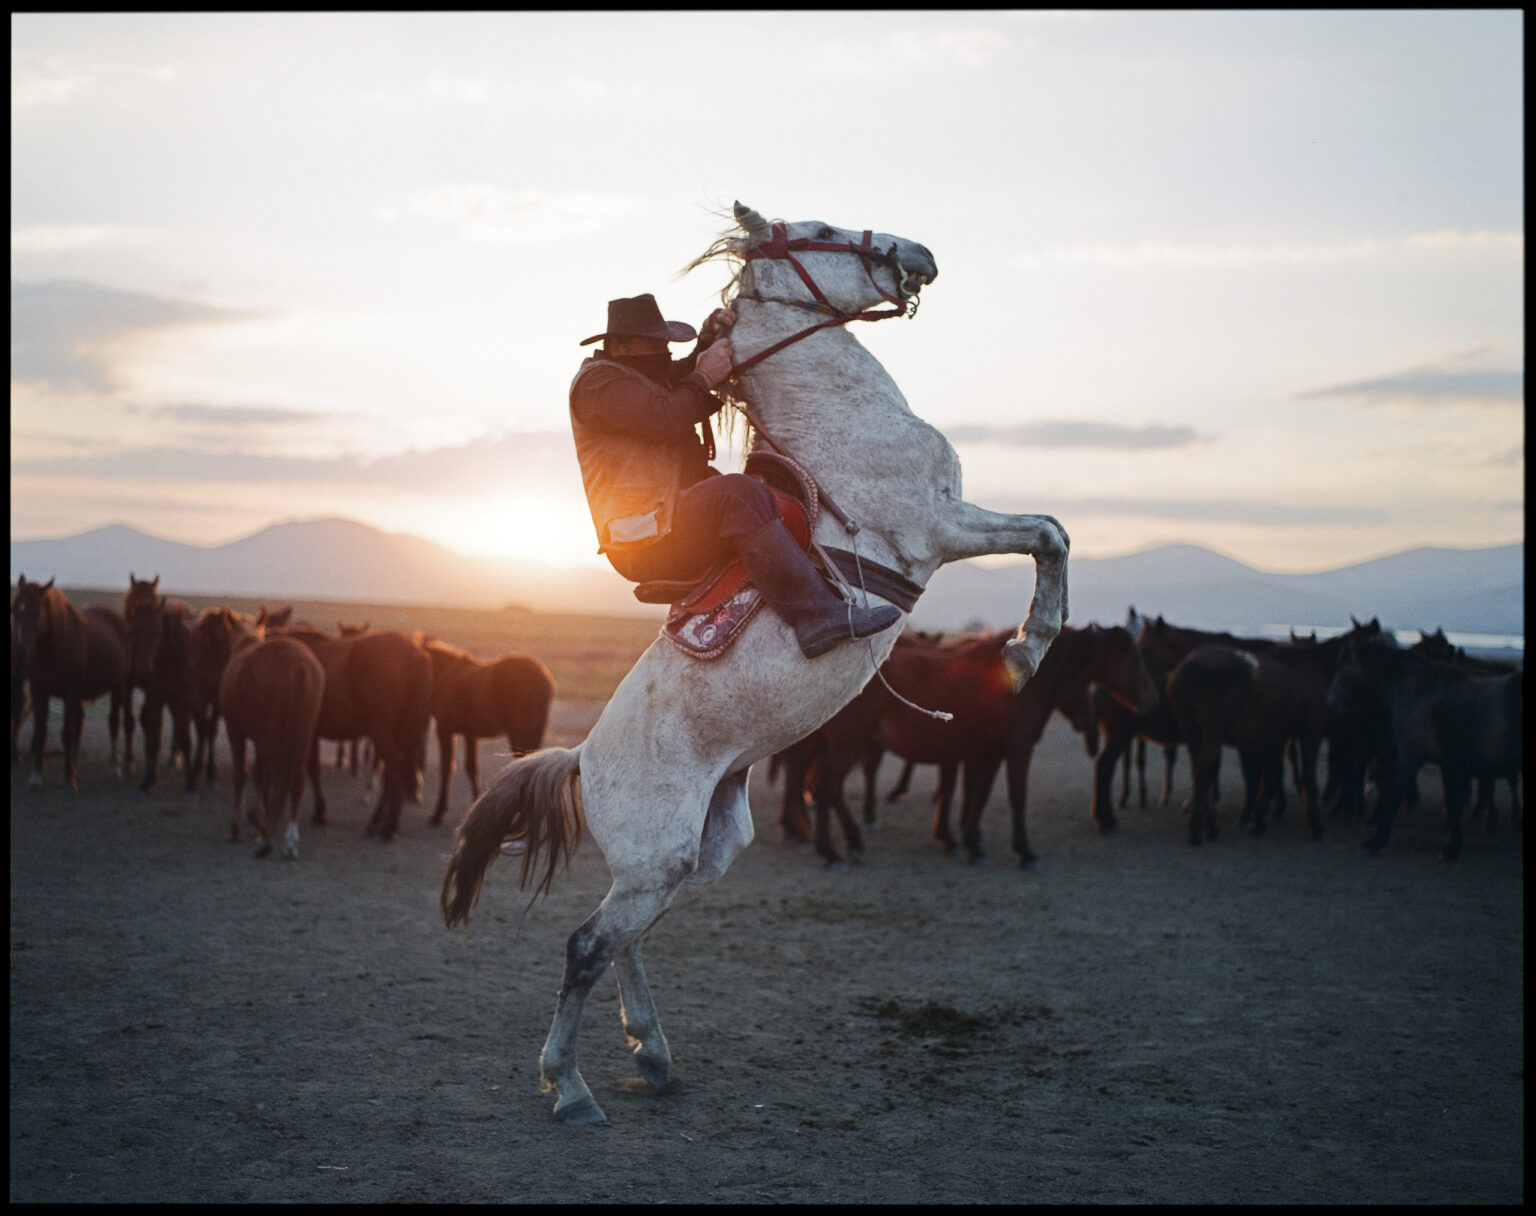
(1248, 280)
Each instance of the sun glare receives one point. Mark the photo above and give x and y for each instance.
(551, 530)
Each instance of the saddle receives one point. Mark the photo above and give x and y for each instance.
(711, 608)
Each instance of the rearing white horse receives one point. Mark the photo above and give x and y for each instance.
(661, 780)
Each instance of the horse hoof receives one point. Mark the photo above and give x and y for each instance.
(263, 850)
(1029, 863)
(581, 1113)
(655, 1073)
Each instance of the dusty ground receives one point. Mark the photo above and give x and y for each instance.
(1254, 1021)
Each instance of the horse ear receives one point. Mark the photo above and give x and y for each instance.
(756, 227)
(155, 583)
(49, 583)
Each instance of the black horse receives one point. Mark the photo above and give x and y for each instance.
(1432, 712)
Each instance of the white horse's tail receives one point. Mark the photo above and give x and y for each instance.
(536, 801)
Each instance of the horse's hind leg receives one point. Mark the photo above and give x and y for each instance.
(74, 728)
(609, 934)
(237, 779)
(727, 831)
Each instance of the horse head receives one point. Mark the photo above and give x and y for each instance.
(142, 611)
(817, 265)
(32, 616)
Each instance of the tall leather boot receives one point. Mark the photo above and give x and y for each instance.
(795, 590)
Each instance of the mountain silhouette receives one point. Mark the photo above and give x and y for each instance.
(1460, 590)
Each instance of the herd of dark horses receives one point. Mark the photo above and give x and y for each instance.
(279, 684)
(1383, 712)
(1378, 711)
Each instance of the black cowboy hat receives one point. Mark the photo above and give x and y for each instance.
(640, 317)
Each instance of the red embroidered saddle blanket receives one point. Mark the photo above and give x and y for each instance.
(710, 610)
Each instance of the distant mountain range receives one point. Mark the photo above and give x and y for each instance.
(1460, 590)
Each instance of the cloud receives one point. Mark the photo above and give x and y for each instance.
(964, 47)
(59, 238)
(1481, 238)
(53, 80)
(488, 214)
(229, 417)
(1167, 253)
(1437, 384)
(1066, 434)
(1161, 254)
(64, 333)
(481, 466)
(1214, 510)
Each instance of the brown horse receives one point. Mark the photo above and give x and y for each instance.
(215, 637)
(73, 654)
(992, 723)
(160, 662)
(509, 696)
(270, 693)
(378, 686)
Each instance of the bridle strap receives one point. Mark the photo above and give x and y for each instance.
(778, 247)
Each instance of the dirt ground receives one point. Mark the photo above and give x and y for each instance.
(1258, 1020)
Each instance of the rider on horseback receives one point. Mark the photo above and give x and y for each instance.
(660, 510)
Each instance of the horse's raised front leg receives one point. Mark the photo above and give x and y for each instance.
(966, 530)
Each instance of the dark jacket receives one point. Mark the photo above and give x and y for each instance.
(638, 447)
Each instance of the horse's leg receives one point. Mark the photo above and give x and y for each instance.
(213, 741)
(1457, 782)
(965, 530)
(40, 698)
(727, 831)
(444, 772)
(899, 790)
(181, 725)
(829, 792)
(114, 725)
(472, 760)
(73, 728)
(1019, 756)
(1117, 745)
(314, 782)
(943, 795)
(237, 778)
(1260, 772)
(873, 754)
(1396, 779)
(979, 774)
(1170, 762)
(1204, 759)
(293, 793)
(795, 760)
(150, 719)
(1307, 749)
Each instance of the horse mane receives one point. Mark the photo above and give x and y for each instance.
(730, 247)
